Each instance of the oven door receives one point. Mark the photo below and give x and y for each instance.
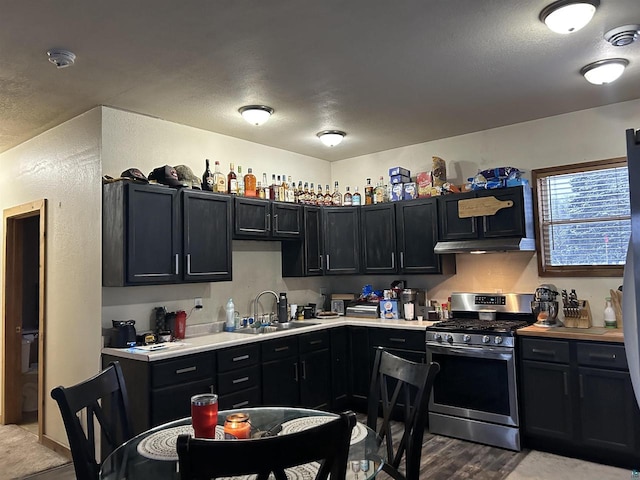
(477, 383)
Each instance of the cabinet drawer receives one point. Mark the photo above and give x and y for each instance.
(545, 350)
(310, 342)
(238, 357)
(238, 380)
(171, 403)
(244, 398)
(597, 355)
(182, 370)
(395, 338)
(279, 348)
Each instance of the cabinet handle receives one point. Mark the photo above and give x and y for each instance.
(295, 371)
(315, 342)
(188, 264)
(240, 380)
(268, 221)
(321, 261)
(280, 349)
(603, 356)
(177, 264)
(546, 353)
(241, 357)
(327, 262)
(393, 259)
(398, 340)
(211, 389)
(401, 259)
(304, 369)
(241, 404)
(566, 384)
(275, 222)
(186, 370)
(581, 381)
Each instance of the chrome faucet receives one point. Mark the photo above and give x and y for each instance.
(255, 303)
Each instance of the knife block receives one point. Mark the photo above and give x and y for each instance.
(578, 317)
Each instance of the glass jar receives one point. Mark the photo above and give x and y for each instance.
(237, 426)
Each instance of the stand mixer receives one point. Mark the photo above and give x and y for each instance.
(545, 307)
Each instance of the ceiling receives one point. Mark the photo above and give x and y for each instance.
(389, 73)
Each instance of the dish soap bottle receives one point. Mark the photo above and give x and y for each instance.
(609, 314)
(230, 325)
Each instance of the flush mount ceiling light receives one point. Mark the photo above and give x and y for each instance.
(568, 16)
(331, 138)
(61, 58)
(604, 71)
(622, 36)
(256, 114)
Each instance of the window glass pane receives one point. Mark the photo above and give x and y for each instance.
(602, 243)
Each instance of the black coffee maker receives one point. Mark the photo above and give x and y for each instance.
(123, 333)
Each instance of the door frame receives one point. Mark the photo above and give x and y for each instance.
(10, 406)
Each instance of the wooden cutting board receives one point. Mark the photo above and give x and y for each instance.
(480, 207)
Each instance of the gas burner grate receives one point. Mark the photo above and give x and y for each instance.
(471, 325)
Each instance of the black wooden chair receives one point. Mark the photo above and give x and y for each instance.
(400, 385)
(102, 398)
(328, 444)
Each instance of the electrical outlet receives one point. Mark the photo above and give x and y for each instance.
(197, 302)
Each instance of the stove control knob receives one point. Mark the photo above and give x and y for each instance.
(437, 337)
(466, 338)
(486, 339)
(449, 338)
(498, 340)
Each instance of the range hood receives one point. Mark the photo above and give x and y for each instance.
(487, 245)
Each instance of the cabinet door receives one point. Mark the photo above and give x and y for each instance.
(452, 227)
(546, 400)
(315, 378)
(252, 218)
(206, 236)
(304, 257)
(152, 235)
(172, 403)
(507, 222)
(417, 234)
(609, 413)
(280, 382)
(377, 224)
(286, 220)
(341, 240)
(360, 365)
(339, 369)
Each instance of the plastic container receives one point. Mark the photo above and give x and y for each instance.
(230, 325)
(181, 324)
(609, 314)
(283, 315)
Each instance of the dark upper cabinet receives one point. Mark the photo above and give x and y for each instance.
(378, 240)
(154, 234)
(417, 234)
(341, 240)
(263, 219)
(513, 221)
(305, 257)
(206, 220)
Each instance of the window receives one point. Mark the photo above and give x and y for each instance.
(583, 218)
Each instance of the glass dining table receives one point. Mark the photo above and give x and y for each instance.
(152, 454)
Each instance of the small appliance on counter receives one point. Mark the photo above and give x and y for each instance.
(123, 333)
(545, 307)
(362, 309)
(413, 303)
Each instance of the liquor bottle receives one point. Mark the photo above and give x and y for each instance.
(319, 196)
(357, 198)
(368, 193)
(327, 196)
(282, 189)
(240, 182)
(207, 178)
(305, 193)
(312, 196)
(250, 184)
(232, 181)
(378, 194)
(291, 192)
(336, 198)
(260, 190)
(219, 179)
(296, 193)
(348, 198)
(273, 188)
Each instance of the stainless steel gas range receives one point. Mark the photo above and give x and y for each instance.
(474, 396)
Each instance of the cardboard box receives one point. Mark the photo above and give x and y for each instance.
(389, 309)
(425, 183)
(397, 192)
(399, 171)
(399, 179)
(410, 190)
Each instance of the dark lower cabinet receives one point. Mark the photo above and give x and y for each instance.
(577, 400)
(239, 378)
(339, 369)
(360, 366)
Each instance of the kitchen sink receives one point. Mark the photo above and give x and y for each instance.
(278, 327)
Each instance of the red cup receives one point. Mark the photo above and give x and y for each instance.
(181, 324)
(204, 415)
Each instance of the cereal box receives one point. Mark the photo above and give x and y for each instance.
(425, 183)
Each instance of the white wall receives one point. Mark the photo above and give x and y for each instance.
(63, 166)
(132, 140)
(587, 135)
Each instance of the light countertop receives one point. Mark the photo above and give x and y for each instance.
(215, 341)
(594, 334)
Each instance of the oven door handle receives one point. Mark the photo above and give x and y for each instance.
(471, 351)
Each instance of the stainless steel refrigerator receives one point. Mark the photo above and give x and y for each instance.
(631, 282)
